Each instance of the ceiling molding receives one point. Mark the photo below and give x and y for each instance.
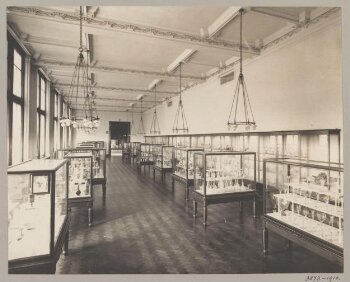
(81, 109)
(114, 99)
(49, 62)
(56, 15)
(134, 90)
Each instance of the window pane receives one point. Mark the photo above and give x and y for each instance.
(17, 59)
(43, 94)
(17, 146)
(17, 82)
(56, 106)
(42, 135)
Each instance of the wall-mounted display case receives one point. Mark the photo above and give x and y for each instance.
(38, 218)
(304, 202)
(163, 160)
(80, 191)
(99, 176)
(183, 168)
(222, 177)
(320, 145)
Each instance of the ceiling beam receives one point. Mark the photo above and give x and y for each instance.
(134, 90)
(109, 24)
(113, 111)
(223, 20)
(99, 68)
(277, 14)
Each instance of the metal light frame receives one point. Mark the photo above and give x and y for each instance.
(155, 128)
(241, 90)
(180, 113)
(141, 128)
(81, 86)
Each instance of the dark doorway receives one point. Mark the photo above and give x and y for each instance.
(119, 132)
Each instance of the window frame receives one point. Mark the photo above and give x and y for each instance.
(41, 113)
(12, 45)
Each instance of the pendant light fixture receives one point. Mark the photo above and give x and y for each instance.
(81, 87)
(141, 128)
(155, 129)
(242, 115)
(132, 124)
(180, 122)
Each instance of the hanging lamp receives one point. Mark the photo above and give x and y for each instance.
(141, 128)
(132, 125)
(80, 87)
(180, 122)
(241, 115)
(155, 129)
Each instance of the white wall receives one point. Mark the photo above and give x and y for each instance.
(294, 86)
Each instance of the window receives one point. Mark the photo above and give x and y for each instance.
(64, 129)
(41, 116)
(56, 114)
(15, 102)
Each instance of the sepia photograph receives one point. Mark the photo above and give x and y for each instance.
(174, 138)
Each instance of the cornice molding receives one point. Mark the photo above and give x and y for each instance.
(131, 28)
(47, 62)
(134, 90)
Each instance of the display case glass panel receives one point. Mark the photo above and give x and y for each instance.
(79, 175)
(291, 145)
(182, 141)
(307, 195)
(37, 207)
(135, 147)
(224, 172)
(183, 162)
(145, 153)
(163, 156)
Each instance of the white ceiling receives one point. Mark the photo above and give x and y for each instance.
(133, 45)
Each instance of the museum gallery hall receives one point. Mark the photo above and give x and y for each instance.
(174, 140)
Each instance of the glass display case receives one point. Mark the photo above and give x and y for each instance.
(144, 155)
(98, 164)
(183, 170)
(134, 148)
(182, 141)
(163, 160)
(304, 203)
(80, 171)
(126, 151)
(37, 215)
(221, 177)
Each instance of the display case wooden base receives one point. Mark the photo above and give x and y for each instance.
(82, 203)
(186, 182)
(45, 264)
(103, 183)
(143, 164)
(162, 172)
(221, 199)
(298, 236)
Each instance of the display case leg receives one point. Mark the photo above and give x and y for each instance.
(186, 192)
(172, 184)
(90, 216)
(205, 211)
(66, 242)
(194, 208)
(265, 241)
(241, 206)
(254, 208)
(104, 188)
